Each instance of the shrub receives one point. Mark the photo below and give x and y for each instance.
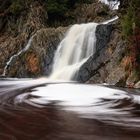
(57, 9)
(131, 18)
(127, 23)
(16, 7)
(131, 30)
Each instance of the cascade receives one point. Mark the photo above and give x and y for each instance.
(16, 55)
(113, 4)
(77, 46)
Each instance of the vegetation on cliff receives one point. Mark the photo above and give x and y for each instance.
(130, 18)
(57, 8)
(130, 23)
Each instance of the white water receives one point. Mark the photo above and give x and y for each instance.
(88, 101)
(77, 46)
(114, 5)
(16, 55)
(110, 20)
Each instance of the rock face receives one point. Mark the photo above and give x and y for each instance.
(15, 30)
(105, 66)
(96, 61)
(37, 60)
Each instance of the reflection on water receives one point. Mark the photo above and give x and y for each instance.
(34, 110)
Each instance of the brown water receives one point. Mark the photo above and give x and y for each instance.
(31, 110)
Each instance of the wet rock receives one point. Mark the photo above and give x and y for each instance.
(99, 59)
(103, 33)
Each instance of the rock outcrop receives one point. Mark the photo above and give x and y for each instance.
(37, 60)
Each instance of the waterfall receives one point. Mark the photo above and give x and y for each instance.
(77, 46)
(113, 4)
(16, 55)
(110, 20)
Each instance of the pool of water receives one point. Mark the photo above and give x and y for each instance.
(58, 110)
